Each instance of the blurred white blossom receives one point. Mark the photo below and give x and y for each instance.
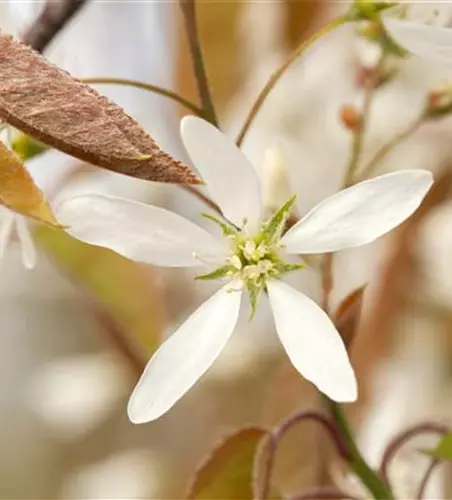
(423, 29)
(130, 474)
(74, 396)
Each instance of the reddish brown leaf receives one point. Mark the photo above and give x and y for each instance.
(228, 471)
(47, 103)
(348, 313)
(18, 191)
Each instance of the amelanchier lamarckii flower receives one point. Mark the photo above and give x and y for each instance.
(250, 256)
(422, 28)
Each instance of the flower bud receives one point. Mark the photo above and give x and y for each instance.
(368, 9)
(350, 117)
(276, 183)
(439, 101)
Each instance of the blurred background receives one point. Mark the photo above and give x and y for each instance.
(76, 330)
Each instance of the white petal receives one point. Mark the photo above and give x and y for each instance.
(6, 229)
(428, 42)
(26, 242)
(359, 214)
(185, 356)
(229, 176)
(312, 343)
(140, 232)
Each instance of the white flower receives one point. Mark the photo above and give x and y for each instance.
(250, 257)
(422, 29)
(11, 222)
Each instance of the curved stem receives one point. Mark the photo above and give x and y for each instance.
(395, 445)
(428, 474)
(151, 88)
(398, 139)
(276, 436)
(188, 8)
(274, 78)
(369, 477)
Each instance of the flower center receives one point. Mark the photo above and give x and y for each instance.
(256, 259)
(253, 262)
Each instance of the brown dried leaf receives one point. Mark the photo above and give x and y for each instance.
(45, 102)
(348, 313)
(18, 191)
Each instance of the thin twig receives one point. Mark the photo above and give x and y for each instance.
(52, 19)
(325, 494)
(395, 445)
(202, 197)
(425, 480)
(275, 77)
(188, 8)
(276, 436)
(360, 132)
(118, 339)
(398, 139)
(151, 88)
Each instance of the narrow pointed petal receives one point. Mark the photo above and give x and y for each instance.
(312, 343)
(26, 242)
(185, 356)
(360, 214)
(6, 229)
(229, 176)
(140, 232)
(432, 43)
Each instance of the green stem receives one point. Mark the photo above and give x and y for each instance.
(275, 77)
(189, 13)
(359, 135)
(147, 86)
(369, 477)
(398, 139)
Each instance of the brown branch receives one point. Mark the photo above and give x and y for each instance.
(52, 19)
(118, 340)
(425, 480)
(327, 281)
(202, 197)
(397, 443)
(277, 434)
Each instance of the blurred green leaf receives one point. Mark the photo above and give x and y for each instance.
(27, 147)
(18, 190)
(228, 471)
(124, 289)
(443, 450)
